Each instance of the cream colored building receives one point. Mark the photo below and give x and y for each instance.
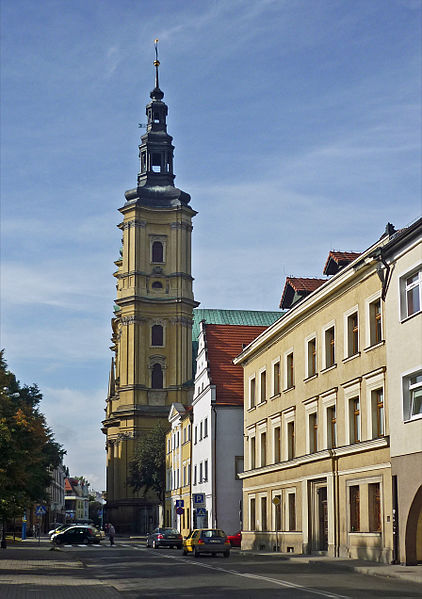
(317, 458)
(178, 469)
(402, 271)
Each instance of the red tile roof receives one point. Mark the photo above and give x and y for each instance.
(225, 342)
(336, 260)
(301, 286)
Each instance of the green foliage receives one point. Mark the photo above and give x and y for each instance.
(27, 445)
(148, 466)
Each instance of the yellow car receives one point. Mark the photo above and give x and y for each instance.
(206, 540)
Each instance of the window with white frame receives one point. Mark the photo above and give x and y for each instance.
(313, 431)
(354, 420)
(200, 430)
(205, 470)
(277, 444)
(276, 378)
(252, 452)
(329, 354)
(252, 391)
(263, 449)
(289, 445)
(196, 434)
(206, 427)
(412, 395)
(351, 333)
(377, 409)
(291, 510)
(276, 503)
(200, 473)
(374, 322)
(331, 427)
(411, 293)
(252, 514)
(311, 357)
(263, 386)
(264, 521)
(289, 373)
(195, 472)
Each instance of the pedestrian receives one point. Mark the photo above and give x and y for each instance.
(111, 532)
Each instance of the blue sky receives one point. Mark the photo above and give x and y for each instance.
(297, 130)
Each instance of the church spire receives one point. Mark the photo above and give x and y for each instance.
(156, 178)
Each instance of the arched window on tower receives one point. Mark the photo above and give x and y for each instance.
(157, 285)
(157, 377)
(157, 252)
(157, 337)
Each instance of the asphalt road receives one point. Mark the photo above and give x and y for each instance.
(137, 572)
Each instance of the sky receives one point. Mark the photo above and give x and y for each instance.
(297, 130)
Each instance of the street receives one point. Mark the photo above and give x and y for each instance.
(130, 570)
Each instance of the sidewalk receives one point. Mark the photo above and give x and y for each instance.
(29, 569)
(409, 573)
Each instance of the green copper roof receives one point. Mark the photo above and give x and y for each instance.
(245, 317)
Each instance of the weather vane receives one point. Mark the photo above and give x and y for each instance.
(156, 62)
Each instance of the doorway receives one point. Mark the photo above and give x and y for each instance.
(322, 519)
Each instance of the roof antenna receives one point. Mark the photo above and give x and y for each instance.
(156, 62)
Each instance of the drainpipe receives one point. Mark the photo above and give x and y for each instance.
(214, 464)
(336, 507)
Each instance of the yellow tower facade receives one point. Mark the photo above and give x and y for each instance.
(152, 327)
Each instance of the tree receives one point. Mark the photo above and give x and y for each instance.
(148, 466)
(27, 446)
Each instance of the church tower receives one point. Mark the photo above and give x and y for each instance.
(152, 324)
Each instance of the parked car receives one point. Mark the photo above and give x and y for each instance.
(58, 528)
(165, 537)
(207, 540)
(81, 534)
(236, 539)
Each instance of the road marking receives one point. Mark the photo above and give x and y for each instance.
(282, 583)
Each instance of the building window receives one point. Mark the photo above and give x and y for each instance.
(196, 435)
(352, 334)
(329, 338)
(291, 506)
(374, 499)
(252, 452)
(206, 427)
(276, 378)
(313, 432)
(157, 285)
(354, 508)
(264, 525)
(377, 399)
(290, 375)
(354, 420)
(277, 442)
(194, 474)
(263, 449)
(252, 514)
(157, 252)
(412, 395)
(184, 475)
(263, 386)
(157, 337)
(252, 393)
(331, 427)
(375, 322)
(411, 294)
(157, 377)
(290, 440)
(200, 473)
(311, 355)
(205, 470)
(200, 430)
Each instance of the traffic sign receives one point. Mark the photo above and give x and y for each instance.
(198, 499)
(180, 503)
(179, 510)
(201, 511)
(40, 510)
